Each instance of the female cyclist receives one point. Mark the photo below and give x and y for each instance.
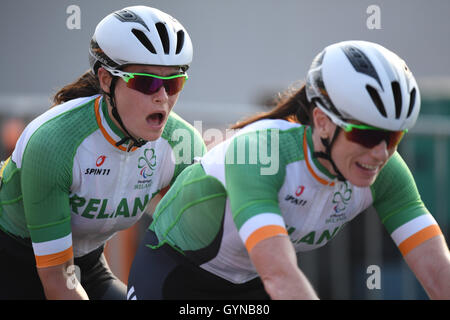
(288, 181)
(88, 167)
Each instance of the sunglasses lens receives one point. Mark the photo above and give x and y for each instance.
(150, 85)
(371, 138)
(146, 85)
(174, 85)
(396, 137)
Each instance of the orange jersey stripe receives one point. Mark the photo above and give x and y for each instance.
(54, 259)
(413, 241)
(308, 165)
(103, 130)
(263, 233)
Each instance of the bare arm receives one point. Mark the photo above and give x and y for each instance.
(430, 262)
(276, 262)
(60, 283)
(155, 200)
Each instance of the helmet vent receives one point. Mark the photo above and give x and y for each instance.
(397, 98)
(164, 36)
(180, 41)
(376, 100)
(361, 62)
(144, 40)
(412, 101)
(129, 16)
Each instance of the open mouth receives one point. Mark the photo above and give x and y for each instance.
(155, 119)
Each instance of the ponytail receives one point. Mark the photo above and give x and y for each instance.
(85, 86)
(292, 105)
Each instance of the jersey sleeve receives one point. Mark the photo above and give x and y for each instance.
(400, 208)
(46, 176)
(253, 193)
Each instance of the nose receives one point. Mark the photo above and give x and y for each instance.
(380, 151)
(160, 96)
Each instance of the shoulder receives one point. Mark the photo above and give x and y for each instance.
(265, 124)
(65, 122)
(395, 194)
(178, 132)
(184, 140)
(284, 131)
(176, 125)
(57, 132)
(394, 174)
(269, 139)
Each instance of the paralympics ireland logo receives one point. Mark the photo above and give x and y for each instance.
(147, 163)
(341, 198)
(340, 202)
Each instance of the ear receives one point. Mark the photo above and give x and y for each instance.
(322, 124)
(104, 78)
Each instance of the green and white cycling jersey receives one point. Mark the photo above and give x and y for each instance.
(69, 188)
(264, 182)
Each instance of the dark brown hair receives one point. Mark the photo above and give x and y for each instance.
(85, 86)
(292, 105)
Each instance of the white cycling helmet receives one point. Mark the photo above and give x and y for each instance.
(140, 35)
(364, 81)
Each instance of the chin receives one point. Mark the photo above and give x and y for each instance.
(152, 136)
(148, 135)
(362, 182)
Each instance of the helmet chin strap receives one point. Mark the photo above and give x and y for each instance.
(327, 154)
(135, 142)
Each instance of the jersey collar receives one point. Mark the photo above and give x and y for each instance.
(106, 125)
(317, 170)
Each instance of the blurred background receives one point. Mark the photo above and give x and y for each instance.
(245, 52)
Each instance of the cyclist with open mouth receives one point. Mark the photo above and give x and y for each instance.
(88, 167)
